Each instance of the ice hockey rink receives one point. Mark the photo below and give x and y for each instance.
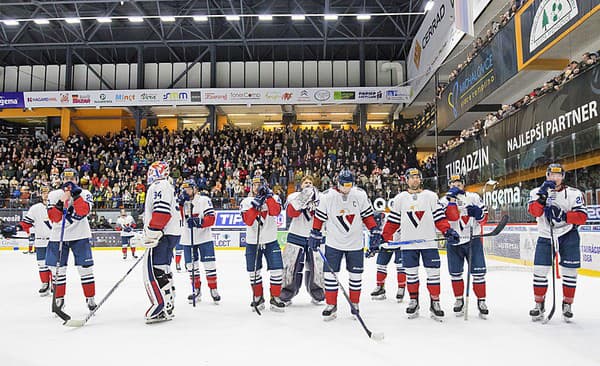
(231, 334)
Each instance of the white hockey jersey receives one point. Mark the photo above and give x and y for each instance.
(268, 231)
(75, 229)
(37, 217)
(160, 198)
(417, 213)
(302, 224)
(568, 199)
(123, 222)
(464, 223)
(201, 206)
(344, 215)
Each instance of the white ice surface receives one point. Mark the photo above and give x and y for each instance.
(230, 334)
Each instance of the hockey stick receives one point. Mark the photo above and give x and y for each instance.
(76, 323)
(256, 256)
(55, 308)
(190, 209)
(495, 232)
(378, 336)
(469, 267)
(553, 255)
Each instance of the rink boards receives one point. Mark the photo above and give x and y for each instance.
(516, 244)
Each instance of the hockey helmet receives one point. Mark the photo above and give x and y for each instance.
(158, 170)
(412, 172)
(258, 178)
(555, 168)
(69, 174)
(456, 178)
(345, 178)
(190, 183)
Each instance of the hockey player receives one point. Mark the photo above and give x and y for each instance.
(559, 210)
(126, 224)
(198, 215)
(259, 212)
(384, 256)
(300, 207)
(161, 232)
(37, 219)
(76, 203)
(421, 214)
(346, 209)
(465, 211)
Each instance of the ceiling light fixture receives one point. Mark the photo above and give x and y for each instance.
(104, 20)
(330, 17)
(167, 19)
(136, 19)
(41, 21)
(298, 17)
(232, 18)
(363, 17)
(73, 20)
(265, 17)
(200, 18)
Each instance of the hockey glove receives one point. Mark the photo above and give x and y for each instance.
(453, 192)
(543, 191)
(151, 237)
(73, 188)
(183, 197)
(475, 211)
(315, 239)
(555, 213)
(264, 190)
(193, 222)
(258, 201)
(375, 240)
(127, 229)
(452, 237)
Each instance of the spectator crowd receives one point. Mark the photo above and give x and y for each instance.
(113, 167)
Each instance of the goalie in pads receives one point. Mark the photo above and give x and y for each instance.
(301, 207)
(161, 233)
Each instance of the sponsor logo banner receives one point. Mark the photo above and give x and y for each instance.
(231, 219)
(217, 96)
(434, 41)
(541, 23)
(537, 135)
(12, 100)
(493, 65)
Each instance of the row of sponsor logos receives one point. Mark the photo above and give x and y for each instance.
(203, 96)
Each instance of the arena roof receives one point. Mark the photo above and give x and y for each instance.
(113, 31)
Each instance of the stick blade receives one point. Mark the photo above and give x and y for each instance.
(377, 336)
(74, 323)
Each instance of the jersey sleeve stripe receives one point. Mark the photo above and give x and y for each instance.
(321, 215)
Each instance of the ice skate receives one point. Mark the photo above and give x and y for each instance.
(537, 313)
(215, 295)
(329, 313)
(567, 313)
(436, 311)
(400, 294)
(44, 290)
(91, 304)
(258, 302)
(413, 309)
(483, 309)
(277, 305)
(378, 293)
(459, 307)
(195, 295)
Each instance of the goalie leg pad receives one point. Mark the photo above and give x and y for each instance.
(314, 279)
(293, 265)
